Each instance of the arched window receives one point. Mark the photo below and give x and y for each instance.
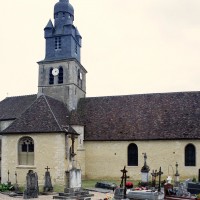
(26, 151)
(60, 75)
(190, 155)
(132, 155)
(51, 77)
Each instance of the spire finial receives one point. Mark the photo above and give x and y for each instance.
(67, 1)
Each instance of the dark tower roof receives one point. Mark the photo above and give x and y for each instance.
(49, 25)
(63, 41)
(64, 6)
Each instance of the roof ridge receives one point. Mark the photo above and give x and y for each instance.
(142, 94)
(52, 112)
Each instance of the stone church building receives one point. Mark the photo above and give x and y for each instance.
(110, 132)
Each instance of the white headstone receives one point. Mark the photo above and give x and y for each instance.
(75, 178)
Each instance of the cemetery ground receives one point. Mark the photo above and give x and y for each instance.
(87, 184)
(97, 196)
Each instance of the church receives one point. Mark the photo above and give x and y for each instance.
(110, 132)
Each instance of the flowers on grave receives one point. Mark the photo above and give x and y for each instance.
(140, 188)
(129, 185)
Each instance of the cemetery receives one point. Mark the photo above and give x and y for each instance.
(153, 185)
(60, 138)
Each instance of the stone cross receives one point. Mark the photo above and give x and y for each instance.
(145, 158)
(145, 168)
(47, 168)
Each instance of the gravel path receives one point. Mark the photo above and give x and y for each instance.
(97, 196)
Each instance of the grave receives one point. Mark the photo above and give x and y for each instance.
(9, 182)
(73, 189)
(145, 194)
(121, 192)
(16, 186)
(48, 188)
(31, 189)
(179, 192)
(145, 172)
(193, 188)
(105, 185)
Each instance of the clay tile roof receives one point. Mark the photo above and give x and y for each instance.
(45, 115)
(13, 107)
(141, 117)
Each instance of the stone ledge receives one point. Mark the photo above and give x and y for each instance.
(25, 167)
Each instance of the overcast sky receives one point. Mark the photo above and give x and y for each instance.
(129, 46)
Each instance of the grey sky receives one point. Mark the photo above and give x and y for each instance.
(129, 46)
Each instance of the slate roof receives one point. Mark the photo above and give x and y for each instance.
(140, 117)
(45, 115)
(13, 107)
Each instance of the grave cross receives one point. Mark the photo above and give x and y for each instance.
(145, 159)
(124, 177)
(8, 176)
(154, 174)
(16, 177)
(47, 168)
(159, 174)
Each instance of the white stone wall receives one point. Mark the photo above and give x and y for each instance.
(104, 160)
(49, 151)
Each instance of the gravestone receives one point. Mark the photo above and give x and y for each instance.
(47, 181)
(31, 189)
(145, 172)
(16, 186)
(75, 178)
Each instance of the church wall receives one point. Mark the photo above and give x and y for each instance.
(104, 160)
(49, 151)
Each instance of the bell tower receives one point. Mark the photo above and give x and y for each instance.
(61, 74)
